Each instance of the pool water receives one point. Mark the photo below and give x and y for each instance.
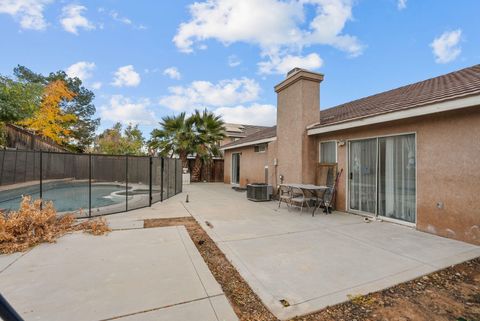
(70, 197)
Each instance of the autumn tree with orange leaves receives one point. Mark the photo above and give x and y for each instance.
(49, 120)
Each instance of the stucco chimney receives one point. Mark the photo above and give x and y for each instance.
(298, 106)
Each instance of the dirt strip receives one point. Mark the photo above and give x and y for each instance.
(450, 294)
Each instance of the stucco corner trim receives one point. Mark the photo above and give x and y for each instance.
(402, 114)
(255, 142)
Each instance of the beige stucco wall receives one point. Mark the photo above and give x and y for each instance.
(252, 165)
(298, 106)
(448, 169)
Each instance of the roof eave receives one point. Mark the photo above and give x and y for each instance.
(454, 104)
(254, 142)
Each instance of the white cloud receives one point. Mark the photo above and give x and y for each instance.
(200, 94)
(28, 12)
(256, 114)
(72, 19)
(271, 24)
(401, 4)
(172, 72)
(127, 21)
(81, 69)
(97, 85)
(446, 48)
(283, 64)
(126, 76)
(123, 109)
(234, 61)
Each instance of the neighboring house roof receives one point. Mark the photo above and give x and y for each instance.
(263, 136)
(458, 84)
(239, 130)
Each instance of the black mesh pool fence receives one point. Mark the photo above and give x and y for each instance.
(87, 184)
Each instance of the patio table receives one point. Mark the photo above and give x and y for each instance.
(312, 189)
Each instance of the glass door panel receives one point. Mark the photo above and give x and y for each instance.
(396, 177)
(235, 168)
(363, 175)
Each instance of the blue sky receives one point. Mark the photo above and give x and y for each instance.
(146, 59)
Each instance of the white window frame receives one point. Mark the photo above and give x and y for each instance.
(320, 149)
(264, 145)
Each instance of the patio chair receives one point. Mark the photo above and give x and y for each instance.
(301, 197)
(330, 195)
(284, 195)
(319, 199)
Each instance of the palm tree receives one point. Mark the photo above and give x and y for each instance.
(209, 132)
(176, 137)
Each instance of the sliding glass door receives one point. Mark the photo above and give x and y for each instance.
(382, 177)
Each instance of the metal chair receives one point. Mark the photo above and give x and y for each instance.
(301, 197)
(284, 195)
(319, 199)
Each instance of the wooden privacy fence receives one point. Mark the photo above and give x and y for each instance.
(211, 171)
(18, 137)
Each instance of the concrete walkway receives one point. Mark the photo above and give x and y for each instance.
(138, 274)
(313, 262)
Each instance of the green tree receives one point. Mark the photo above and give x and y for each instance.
(82, 131)
(18, 100)
(209, 132)
(175, 137)
(114, 141)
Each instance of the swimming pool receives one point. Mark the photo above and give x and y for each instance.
(66, 196)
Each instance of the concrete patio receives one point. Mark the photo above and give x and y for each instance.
(313, 262)
(157, 274)
(139, 274)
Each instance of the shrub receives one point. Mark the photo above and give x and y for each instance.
(33, 224)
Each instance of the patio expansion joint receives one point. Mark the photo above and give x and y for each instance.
(162, 307)
(369, 244)
(196, 270)
(14, 261)
(357, 285)
(280, 234)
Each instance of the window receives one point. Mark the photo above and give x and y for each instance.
(261, 148)
(328, 152)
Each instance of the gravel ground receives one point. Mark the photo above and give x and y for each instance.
(450, 294)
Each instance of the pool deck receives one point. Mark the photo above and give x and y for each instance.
(129, 274)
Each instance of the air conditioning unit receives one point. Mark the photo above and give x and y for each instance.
(259, 192)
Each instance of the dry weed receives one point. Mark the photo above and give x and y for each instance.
(33, 224)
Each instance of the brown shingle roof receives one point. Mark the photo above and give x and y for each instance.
(457, 84)
(269, 132)
(238, 130)
(461, 83)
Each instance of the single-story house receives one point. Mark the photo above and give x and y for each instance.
(409, 155)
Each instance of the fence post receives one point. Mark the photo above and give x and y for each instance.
(89, 185)
(126, 182)
(162, 166)
(3, 165)
(41, 179)
(175, 177)
(150, 188)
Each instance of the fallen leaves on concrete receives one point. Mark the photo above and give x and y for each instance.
(33, 224)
